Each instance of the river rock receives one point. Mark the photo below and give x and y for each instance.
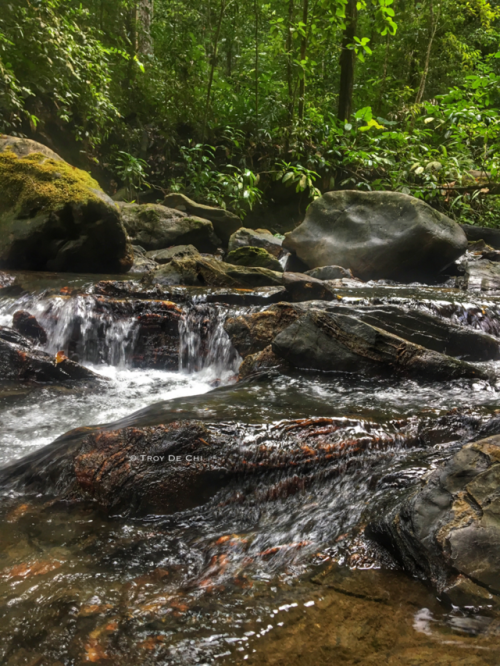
(488, 235)
(330, 273)
(483, 275)
(177, 252)
(142, 263)
(26, 324)
(252, 333)
(256, 238)
(262, 360)
(210, 272)
(301, 287)
(20, 361)
(224, 222)
(377, 235)
(55, 217)
(339, 342)
(253, 256)
(448, 529)
(155, 227)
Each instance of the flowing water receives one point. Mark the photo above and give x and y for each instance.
(275, 571)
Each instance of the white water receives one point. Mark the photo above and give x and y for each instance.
(32, 416)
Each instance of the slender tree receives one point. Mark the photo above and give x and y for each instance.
(347, 62)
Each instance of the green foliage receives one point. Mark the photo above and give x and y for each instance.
(234, 187)
(132, 171)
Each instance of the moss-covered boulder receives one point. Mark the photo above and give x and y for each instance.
(176, 252)
(253, 256)
(55, 217)
(210, 272)
(155, 227)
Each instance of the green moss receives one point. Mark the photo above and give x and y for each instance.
(253, 257)
(38, 182)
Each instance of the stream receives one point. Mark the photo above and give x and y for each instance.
(276, 573)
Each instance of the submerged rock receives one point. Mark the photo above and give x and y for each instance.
(177, 252)
(210, 272)
(253, 256)
(256, 238)
(339, 342)
(377, 235)
(55, 217)
(20, 361)
(155, 227)
(448, 530)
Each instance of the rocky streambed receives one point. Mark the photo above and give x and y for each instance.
(209, 489)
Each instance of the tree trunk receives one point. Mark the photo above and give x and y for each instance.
(289, 61)
(212, 69)
(256, 6)
(144, 19)
(303, 50)
(432, 34)
(347, 61)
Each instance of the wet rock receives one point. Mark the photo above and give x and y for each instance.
(253, 256)
(26, 324)
(489, 236)
(448, 530)
(256, 238)
(301, 287)
(330, 273)
(142, 264)
(428, 331)
(252, 333)
(224, 222)
(20, 361)
(339, 342)
(483, 275)
(55, 217)
(155, 227)
(177, 252)
(208, 272)
(262, 360)
(378, 235)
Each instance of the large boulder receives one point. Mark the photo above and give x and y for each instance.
(156, 227)
(256, 238)
(327, 341)
(55, 217)
(209, 272)
(448, 529)
(225, 223)
(378, 235)
(253, 256)
(490, 236)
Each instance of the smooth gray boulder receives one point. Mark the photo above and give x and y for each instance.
(448, 529)
(224, 222)
(377, 235)
(490, 236)
(156, 227)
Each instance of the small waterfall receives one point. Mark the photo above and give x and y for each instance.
(204, 344)
(81, 326)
